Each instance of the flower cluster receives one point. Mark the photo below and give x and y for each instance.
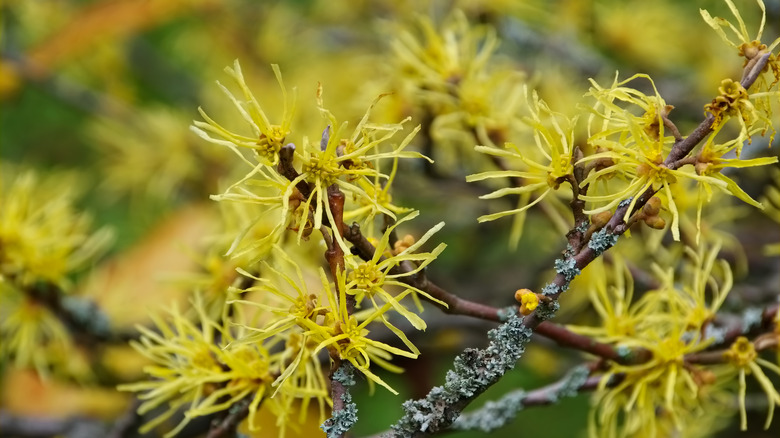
(450, 72)
(284, 309)
(291, 183)
(35, 214)
(541, 169)
(198, 366)
(754, 109)
(316, 320)
(43, 242)
(671, 323)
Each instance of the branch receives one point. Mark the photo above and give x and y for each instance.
(82, 317)
(460, 306)
(474, 371)
(496, 414)
(235, 415)
(286, 169)
(685, 146)
(344, 410)
(567, 338)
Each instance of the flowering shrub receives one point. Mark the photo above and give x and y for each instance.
(316, 275)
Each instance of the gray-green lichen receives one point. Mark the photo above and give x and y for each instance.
(751, 318)
(506, 312)
(571, 384)
(552, 289)
(602, 240)
(342, 420)
(474, 371)
(568, 268)
(494, 415)
(623, 351)
(546, 311)
(497, 414)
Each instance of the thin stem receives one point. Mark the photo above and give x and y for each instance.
(229, 424)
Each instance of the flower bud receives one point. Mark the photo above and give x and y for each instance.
(528, 300)
(653, 206)
(403, 244)
(600, 219)
(656, 222)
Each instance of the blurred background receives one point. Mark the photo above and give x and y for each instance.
(98, 96)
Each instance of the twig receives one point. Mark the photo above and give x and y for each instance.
(344, 410)
(235, 415)
(496, 414)
(460, 306)
(286, 169)
(84, 319)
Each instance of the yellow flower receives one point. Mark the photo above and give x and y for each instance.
(749, 47)
(43, 242)
(543, 169)
(378, 192)
(612, 294)
(652, 395)
(439, 59)
(267, 138)
(147, 153)
(450, 71)
(32, 335)
(664, 393)
(633, 149)
(263, 213)
(308, 319)
(709, 164)
(733, 98)
(346, 160)
(528, 300)
(706, 285)
(346, 336)
(42, 236)
(199, 368)
(371, 278)
(744, 359)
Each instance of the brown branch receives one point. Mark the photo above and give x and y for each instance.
(496, 413)
(766, 324)
(576, 236)
(672, 127)
(685, 146)
(460, 306)
(339, 391)
(286, 169)
(229, 424)
(82, 317)
(765, 341)
(567, 338)
(334, 254)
